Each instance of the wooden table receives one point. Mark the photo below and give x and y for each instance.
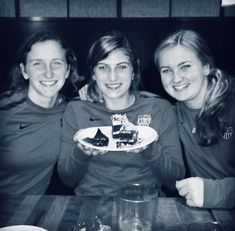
(60, 213)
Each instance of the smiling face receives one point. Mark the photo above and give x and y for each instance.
(46, 69)
(113, 77)
(183, 75)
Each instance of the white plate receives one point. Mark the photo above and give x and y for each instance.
(146, 136)
(22, 228)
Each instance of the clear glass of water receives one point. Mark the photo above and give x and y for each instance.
(137, 207)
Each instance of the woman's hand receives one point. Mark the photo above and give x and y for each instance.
(193, 190)
(90, 151)
(83, 94)
(137, 150)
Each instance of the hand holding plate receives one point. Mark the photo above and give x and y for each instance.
(138, 150)
(90, 151)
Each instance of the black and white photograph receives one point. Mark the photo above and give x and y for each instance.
(117, 115)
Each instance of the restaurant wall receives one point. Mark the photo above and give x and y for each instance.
(113, 8)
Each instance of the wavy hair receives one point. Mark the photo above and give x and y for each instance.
(211, 122)
(18, 83)
(101, 50)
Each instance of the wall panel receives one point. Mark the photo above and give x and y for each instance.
(145, 8)
(43, 8)
(112, 8)
(7, 8)
(93, 8)
(195, 8)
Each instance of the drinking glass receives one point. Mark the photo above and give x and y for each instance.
(137, 207)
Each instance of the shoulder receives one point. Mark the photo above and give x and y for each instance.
(155, 99)
(75, 101)
(148, 94)
(76, 104)
(229, 102)
(11, 99)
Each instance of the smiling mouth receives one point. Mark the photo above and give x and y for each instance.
(180, 86)
(113, 86)
(48, 83)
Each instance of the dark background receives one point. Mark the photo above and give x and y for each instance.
(145, 34)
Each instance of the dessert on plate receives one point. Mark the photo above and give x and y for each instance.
(123, 130)
(123, 133)
(99, 139)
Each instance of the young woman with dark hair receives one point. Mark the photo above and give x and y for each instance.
(113, 74)
(31, 111)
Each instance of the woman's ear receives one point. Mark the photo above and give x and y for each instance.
(67, 72)
(23, 71)
(207, 69)
(133, 76)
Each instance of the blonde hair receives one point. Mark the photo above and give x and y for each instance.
(210, 122)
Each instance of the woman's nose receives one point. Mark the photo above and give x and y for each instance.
(113, 75)
(48, 71)
(177, 76)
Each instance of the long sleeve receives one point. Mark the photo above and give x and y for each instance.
(165, 156)
(214, 163)
(105, 174)
(73, 162)
(219, 193)
(30, 139)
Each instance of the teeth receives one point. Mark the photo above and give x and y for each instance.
(180, 87)
(113, 86)
(48, 83)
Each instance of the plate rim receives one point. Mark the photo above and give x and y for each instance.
(22, 226)
(105, 148)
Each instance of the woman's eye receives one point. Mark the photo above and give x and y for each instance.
(37, 64)
(185, 67)
(57, 63)
(121, 67)
(165, 71)
(102, 68)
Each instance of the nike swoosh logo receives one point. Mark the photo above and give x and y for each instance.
(94, 119)
(23, 126)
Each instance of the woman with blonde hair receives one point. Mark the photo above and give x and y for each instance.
(206, 118)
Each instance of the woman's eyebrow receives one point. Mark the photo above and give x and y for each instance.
(184, 62)
(35, 59)
(164, 67)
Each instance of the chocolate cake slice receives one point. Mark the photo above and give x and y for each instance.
(99, 139)
(127, 140)
(118, 120)
(123, 130)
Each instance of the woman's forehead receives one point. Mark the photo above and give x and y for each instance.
(116, 56)
(45, 49)
(178, 50)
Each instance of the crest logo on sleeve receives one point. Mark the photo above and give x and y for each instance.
(144, 120)
(228, 133)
